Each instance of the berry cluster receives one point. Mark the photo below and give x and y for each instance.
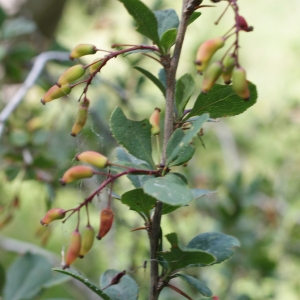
(228, 67)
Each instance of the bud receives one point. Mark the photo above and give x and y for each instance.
(211, 75)
(75, 173)
(93, 158)
(228, 64)
(240, 83)
(73, 249)
(206, 52)
(81, 117)
(154, 121)
(241, 23)
(52, 215)
(81, 50)
(106, 220)
(87, 240)
(71, 75)
(56, 92)
(96, 64)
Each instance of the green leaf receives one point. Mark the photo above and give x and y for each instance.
(166, 19)
(26, 277)
(124, 130)
(170, 189)
(2, 16)
(197, 193)
(216, 243)
(155, 80)
(162, 77)
(2, 278)
(168, 39)
(166, 209)
(184, 155)
(85, 281)
(181, 257)
(126, 289)
(195, 15)
(56, 279)
(193, 131)
(222, 101)
(197, 284)
(184, 90)
(138, 201)
(144, 17)
(130, 160)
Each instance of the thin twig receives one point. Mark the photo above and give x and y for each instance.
(35, 72)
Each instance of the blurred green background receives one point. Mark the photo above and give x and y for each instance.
(251, 160)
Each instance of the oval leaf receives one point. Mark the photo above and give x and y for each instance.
(166, 20)
(126, 289)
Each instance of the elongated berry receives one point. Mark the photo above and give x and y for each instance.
(52, 215)
(81, 117)
(56, 92)
(96, 64)
(93, 158)
(241, 23)
(87, 240)
(154, 121)
(106, 221)
(73, 249)
(82, 50)
(71, 75)
(211, 75)
(75, 173)
(206, 52)
(240, 83)
(228, 64)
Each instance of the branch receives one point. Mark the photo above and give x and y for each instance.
(35, 72)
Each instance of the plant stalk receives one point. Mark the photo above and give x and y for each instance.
(170, 66)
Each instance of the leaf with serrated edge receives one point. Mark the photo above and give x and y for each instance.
(216, 243)
(193, 131)
(221, 101)
(138, 201)
(197, 284)
(145, 18)
(166, 19)
(155, 80)
(126, 289)
(85, 281)
(184, 90)
(124, 129)
(181, 257)
(168, 39)
(170, 189)
(184, 155)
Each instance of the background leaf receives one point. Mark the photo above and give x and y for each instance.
(85, 281)
(197, 284)
(166, 19)
(181, 257)
(216, 243)
(184, 90)
(188, 137)
(126, 289)
(145, 18)
(26, 276)
(170, 189)
(123, 130)
(155, 80)
(201, 192)
(221, 101)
